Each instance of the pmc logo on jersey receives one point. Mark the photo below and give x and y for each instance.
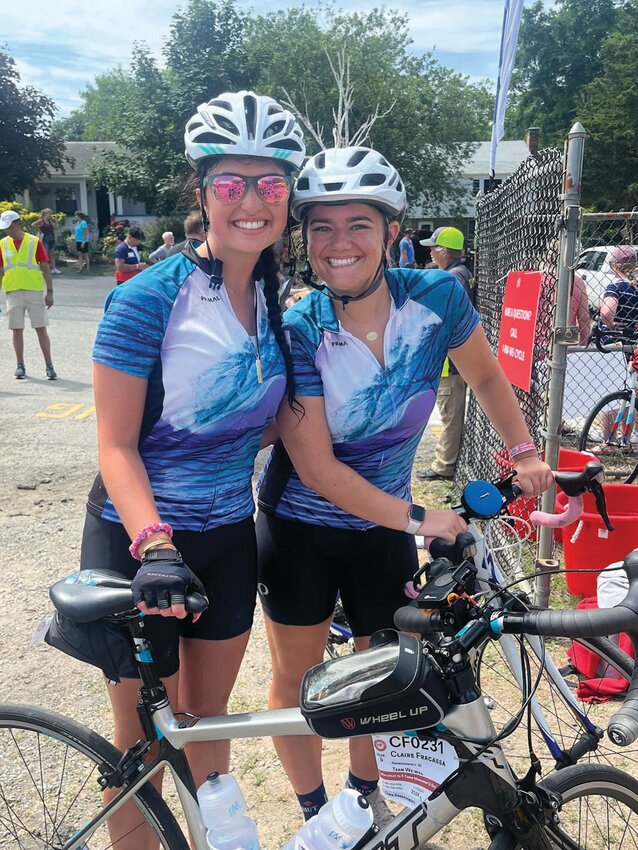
(348, 723)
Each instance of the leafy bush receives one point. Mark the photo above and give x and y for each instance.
(153, 230)
(27, 216)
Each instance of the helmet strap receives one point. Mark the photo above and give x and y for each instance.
(216, 269)
(347, 299)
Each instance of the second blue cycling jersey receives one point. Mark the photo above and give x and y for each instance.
(376, 415)
(205, 408)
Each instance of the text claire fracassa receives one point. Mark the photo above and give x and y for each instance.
(350, 722)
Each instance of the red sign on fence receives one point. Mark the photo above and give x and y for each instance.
(518, 324)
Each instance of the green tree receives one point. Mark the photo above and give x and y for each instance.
(29, 145)
(609, 110)
(427, 113)
(559, 53)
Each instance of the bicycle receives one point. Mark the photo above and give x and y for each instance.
(400, 683)
(565, 729)
(609, 428)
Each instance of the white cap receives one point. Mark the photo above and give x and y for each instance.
(7, 218)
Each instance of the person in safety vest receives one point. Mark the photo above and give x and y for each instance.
(24, 271)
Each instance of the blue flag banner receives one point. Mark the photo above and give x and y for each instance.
(509, 39)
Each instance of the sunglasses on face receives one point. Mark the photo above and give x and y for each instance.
(231, 188)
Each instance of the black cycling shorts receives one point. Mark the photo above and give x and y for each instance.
(303, 566)
(225, 561)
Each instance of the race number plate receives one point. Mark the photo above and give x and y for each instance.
(411, 768)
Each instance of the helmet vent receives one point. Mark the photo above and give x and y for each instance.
(302, 184)
(223, 104)
(372, 180)
(226, 124)
(320, 160)
(250, 110)
(356, 158)
(274, 109)
(333, 187)
(286, 144)
(274, 128)
(212, 138)
(194, 125)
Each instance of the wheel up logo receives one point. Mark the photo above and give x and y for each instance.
(348, 723)
(616, 737)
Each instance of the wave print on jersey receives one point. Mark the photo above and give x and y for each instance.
(186, 469)
(385, 459)
(372, 408)
(229, 384)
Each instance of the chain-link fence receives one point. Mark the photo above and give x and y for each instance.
(591, 375)
(516, 228)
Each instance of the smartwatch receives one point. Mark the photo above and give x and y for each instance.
(416, 515)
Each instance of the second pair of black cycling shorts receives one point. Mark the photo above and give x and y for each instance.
(225, 561)
(302, 567)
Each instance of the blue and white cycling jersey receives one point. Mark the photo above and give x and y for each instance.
(205, 409)
(376, 416)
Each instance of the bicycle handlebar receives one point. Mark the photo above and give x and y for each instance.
(623, 726)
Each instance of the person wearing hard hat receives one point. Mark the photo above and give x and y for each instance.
(446, 247)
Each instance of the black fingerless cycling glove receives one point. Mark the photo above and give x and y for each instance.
(164, 579)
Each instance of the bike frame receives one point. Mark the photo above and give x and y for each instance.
(631, 383)
(488, 782)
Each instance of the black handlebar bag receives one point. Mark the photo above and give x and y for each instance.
(388, 688)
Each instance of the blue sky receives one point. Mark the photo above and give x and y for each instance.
(60, 48)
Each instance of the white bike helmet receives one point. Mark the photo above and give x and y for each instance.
(339, 175)
(244, 124)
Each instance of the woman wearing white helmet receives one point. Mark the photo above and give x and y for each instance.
(190, 366)
(368, 352)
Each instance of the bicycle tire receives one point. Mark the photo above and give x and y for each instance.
(502, 694)
(48, 784)
(586, 792)
(620, 463)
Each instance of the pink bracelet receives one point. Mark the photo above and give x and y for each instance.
(146, 532)
(522, 447)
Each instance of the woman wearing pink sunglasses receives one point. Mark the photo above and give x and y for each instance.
(190, 364)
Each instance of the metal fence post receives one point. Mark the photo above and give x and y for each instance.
(563, 337)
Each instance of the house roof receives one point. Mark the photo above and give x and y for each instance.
(509, 156)
(82, 153)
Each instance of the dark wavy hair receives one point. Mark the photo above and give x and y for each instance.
(266, 269)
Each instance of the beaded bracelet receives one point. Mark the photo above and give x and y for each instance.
(521, 448)
(146, 532)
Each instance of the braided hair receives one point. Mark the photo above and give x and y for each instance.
(266, 270)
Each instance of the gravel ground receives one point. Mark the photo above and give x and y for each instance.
(46, 469)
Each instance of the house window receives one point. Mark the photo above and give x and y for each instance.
(66, 200)
(476, 187)
(494, 183)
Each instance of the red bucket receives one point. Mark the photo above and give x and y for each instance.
(568, 461)
(595, 547)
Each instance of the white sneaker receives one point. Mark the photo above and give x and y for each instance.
(56, 271)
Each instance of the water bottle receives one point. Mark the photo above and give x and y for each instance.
(340, 824)
(223, 809)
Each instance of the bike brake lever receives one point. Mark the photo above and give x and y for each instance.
(599, 495)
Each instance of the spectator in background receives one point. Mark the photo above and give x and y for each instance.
(194, 232)
(82, 237)
(406, 250)
(24, 271)
(161, 253)
(446, 247)
(619, 310)
(127, 256)
(46, 226)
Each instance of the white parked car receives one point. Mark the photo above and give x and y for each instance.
(593, 268)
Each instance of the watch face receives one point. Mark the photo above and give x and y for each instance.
(417, 513)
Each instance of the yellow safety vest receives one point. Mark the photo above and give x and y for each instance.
(21, 271)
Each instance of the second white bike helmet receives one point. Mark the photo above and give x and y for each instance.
(244, 124)
(339, 175)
